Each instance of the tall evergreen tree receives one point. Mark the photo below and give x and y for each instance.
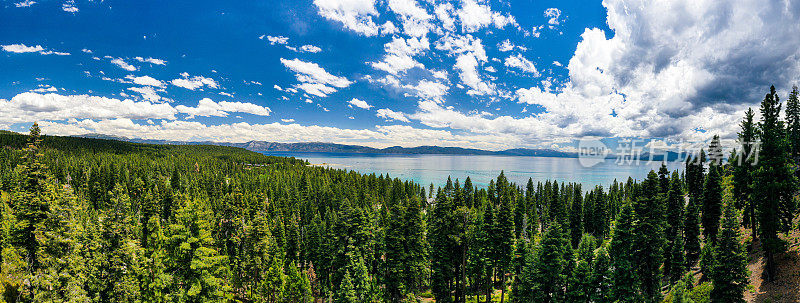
(691, 232)
(31, 203)
(416, 244)
(649, 238)
(298, 288)
(729, 274)
(793, 122)
(549, 270)
(712, 195)
(602, 277)
(576, 218)
(502, 236)
(442, 247)
(743, 171)
(625, 281)
(673, 257)
(773, 182)
(192, 256)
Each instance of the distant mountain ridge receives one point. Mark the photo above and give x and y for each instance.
(323, 147)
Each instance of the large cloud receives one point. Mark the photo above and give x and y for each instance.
(355, 15)
(27, 107)
(30, 106)
(208, 108)
(314, 79)
(380, 136)
(678, 70)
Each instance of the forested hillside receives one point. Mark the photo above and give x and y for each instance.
(89, 220)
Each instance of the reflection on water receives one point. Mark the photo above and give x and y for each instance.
(426, 169)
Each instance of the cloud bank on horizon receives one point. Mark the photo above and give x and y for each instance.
(470, 73)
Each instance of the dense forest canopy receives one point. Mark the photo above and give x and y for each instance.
(89, 220)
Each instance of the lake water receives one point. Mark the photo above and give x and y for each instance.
(427, 169)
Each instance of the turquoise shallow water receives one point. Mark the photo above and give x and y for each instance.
(427, 169)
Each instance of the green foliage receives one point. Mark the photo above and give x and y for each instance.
(549, 274)
(729, 274)
(712, 199)
(701, 293)
(624, 277)
(692, 232)
(648, 241)
(773, 181)
(86, 220)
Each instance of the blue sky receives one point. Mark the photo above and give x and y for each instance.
(485, 74)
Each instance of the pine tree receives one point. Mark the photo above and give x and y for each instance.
(695, 175)
(549, 270)
(479, 258)
(396, 253)
(156, 281)
(192, 256)
(271, 286)
(576, 219)
(649, 238)
(625, 282)
(692, 232)
(31, 203)
(712, 197)
(773, 182)
(579, 285)
(116, 254)
(346, 292)
(503, 233)
(527, 279)
(729, 274)
(673, 257)
(602, 277)
(743, 171)
(793, 122)
(298, 288)
(416, 254)
(676, 266)
(442, 247)
(680, 294)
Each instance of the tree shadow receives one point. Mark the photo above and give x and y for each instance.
(785, 287)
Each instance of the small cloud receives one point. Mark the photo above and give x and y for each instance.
(554, 14)
(45, 89)
(525, 65)
(22, 48)
(88, 51)
(359, 103)
(26, 3)
(123, 65)
(507, 46)
(310, 49)
(151, 60)
(277, 40)
(287, 120)
(69, 7)
(192, 83)
(389, 114)
(145, 80)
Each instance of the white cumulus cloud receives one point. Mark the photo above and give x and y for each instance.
(314, 79)
(193, 83)
(359, 103)
(389, 114)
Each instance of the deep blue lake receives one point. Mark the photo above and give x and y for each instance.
(427, 169)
